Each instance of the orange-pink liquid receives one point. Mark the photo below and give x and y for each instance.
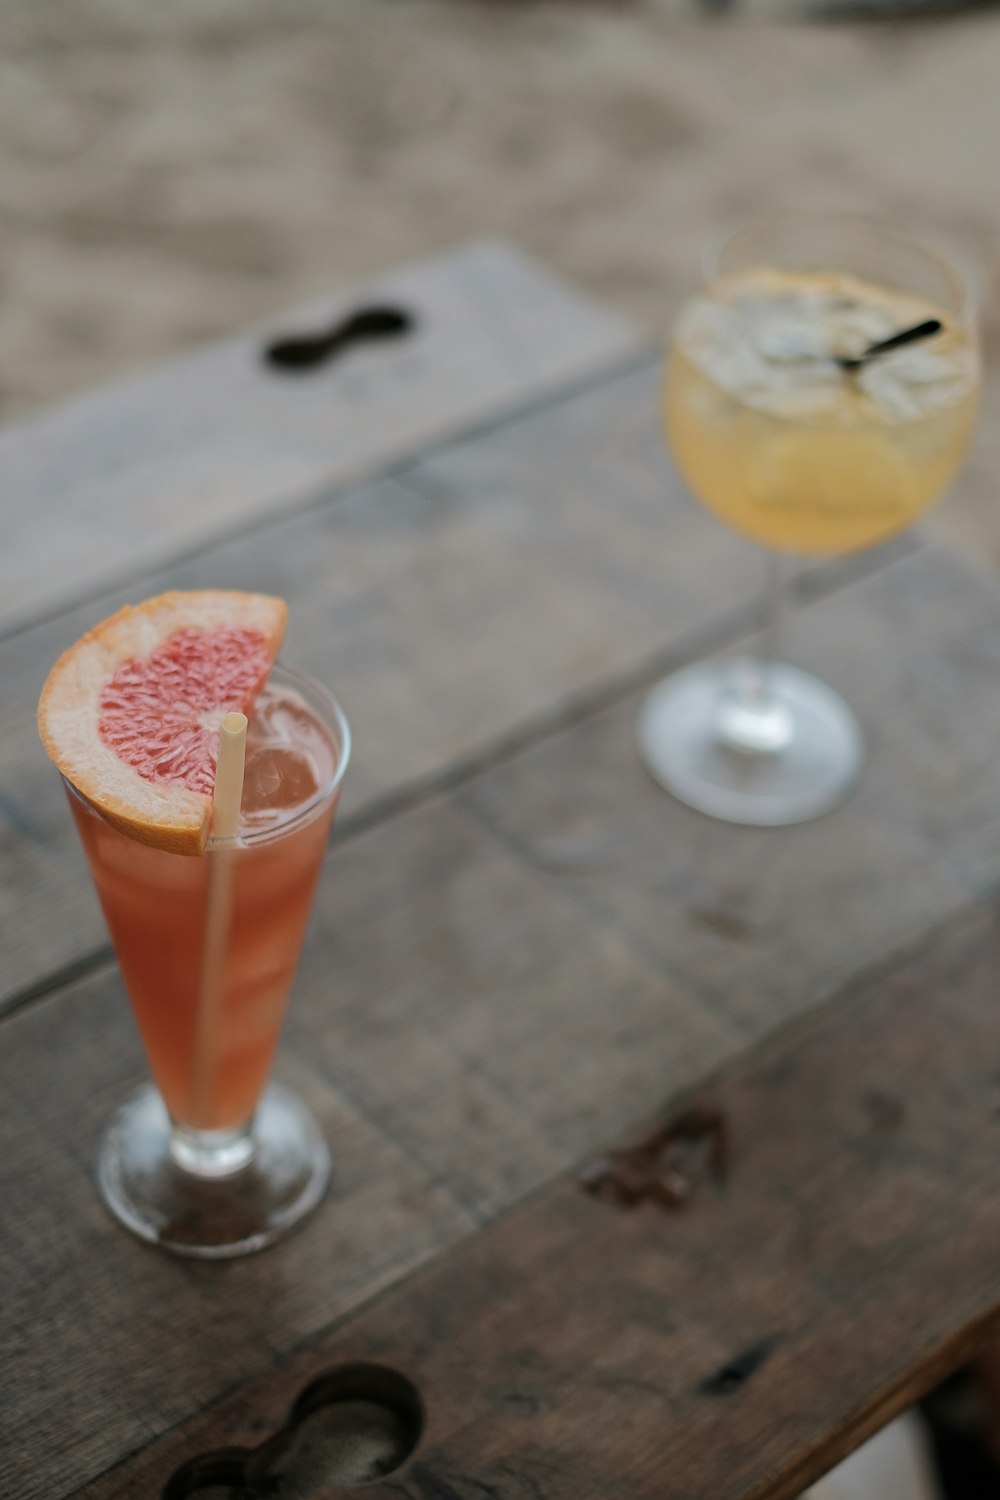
(155, 904)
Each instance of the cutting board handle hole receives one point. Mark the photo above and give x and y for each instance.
(301, 353)
(351, 1426)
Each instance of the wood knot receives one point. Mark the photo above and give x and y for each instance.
(665, 1165)
(885, 1112)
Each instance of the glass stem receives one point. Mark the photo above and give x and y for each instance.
(211, 1153)
(753, 720)
(774, 602)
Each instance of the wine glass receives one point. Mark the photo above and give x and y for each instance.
(821, 391)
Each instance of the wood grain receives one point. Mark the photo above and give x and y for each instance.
(519, 947)
(149, 470)
(739, 1349)
(766, 923)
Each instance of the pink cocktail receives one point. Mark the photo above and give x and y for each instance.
(211, 1161)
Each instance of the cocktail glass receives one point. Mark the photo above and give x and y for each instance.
(210, 1160)
(782, 441)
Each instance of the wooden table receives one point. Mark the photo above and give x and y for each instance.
(521, 949)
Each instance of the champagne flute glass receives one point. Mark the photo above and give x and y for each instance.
(210, 1160)
(789, 424)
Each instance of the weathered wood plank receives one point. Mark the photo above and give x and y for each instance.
(443, 995)
(766, 923)
(579, 1350)
(448, 617)
(135, 474)
(501, 979)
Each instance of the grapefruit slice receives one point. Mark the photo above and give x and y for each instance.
(130, 714)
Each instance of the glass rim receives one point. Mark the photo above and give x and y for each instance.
(337, 721)
(890, 231)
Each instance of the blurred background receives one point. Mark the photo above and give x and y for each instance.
(170, 173)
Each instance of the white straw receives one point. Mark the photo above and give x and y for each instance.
(226, 800)
(229, 777)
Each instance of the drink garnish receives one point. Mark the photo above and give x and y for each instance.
(131, 713)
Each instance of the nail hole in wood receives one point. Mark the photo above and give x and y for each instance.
(734, 1375)
(351, 1426)
(300, 353)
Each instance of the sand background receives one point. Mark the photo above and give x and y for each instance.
(169, 173)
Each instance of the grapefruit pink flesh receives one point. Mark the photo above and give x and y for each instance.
(161, 714)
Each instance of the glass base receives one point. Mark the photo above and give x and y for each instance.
(233, 1207)
(683, 746)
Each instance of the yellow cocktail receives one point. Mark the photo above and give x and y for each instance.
(821, 390)
(784, 444)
